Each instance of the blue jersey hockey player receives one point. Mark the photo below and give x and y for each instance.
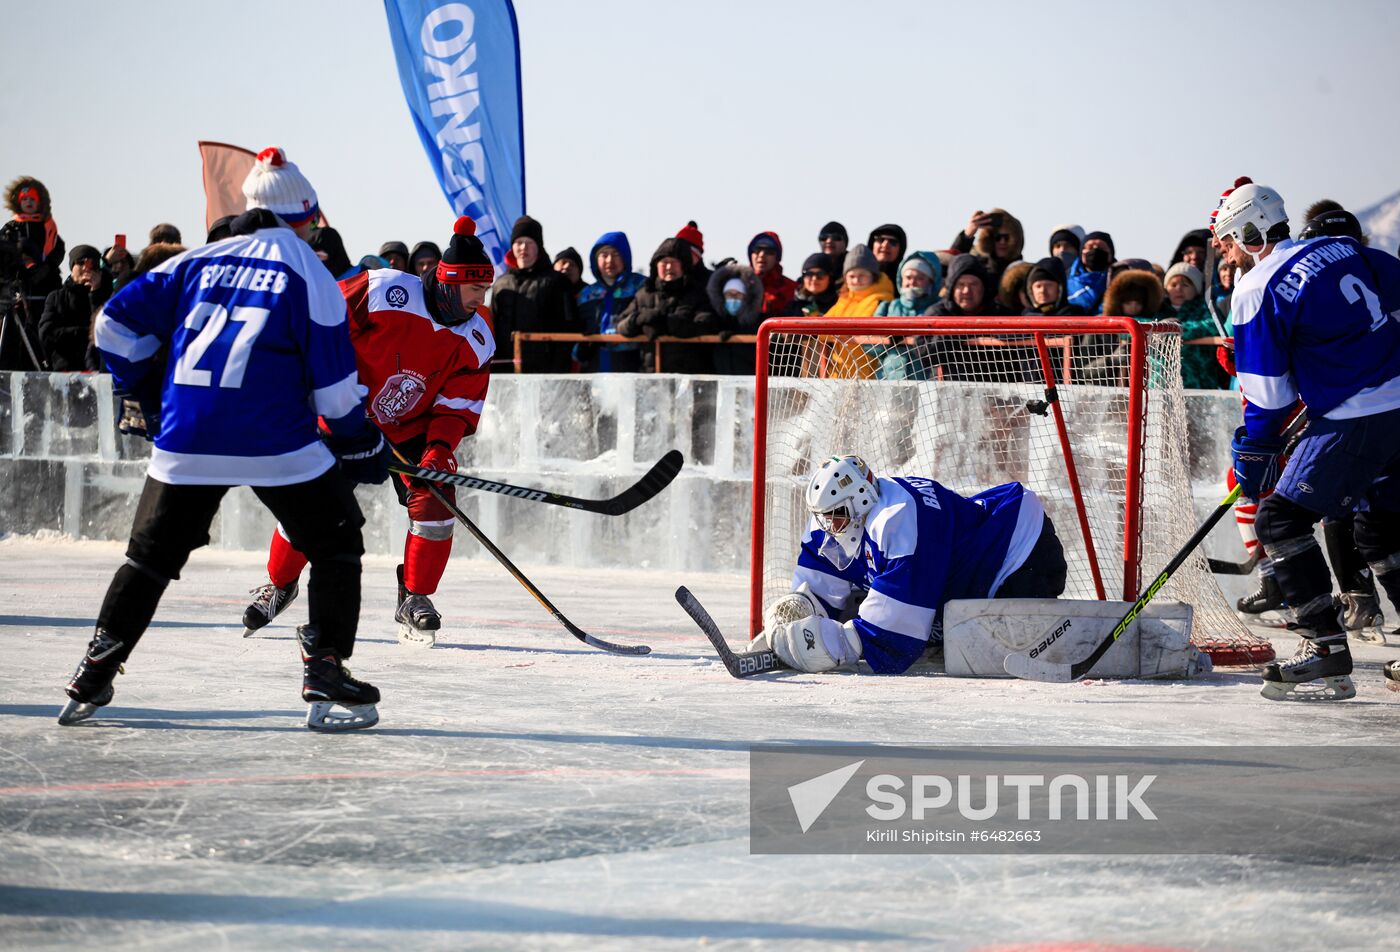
(1317, 320)
(908, 545)
(232, 351)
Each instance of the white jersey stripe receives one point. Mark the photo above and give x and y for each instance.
(121, 340)
(338, 399)
(912, 621)
(458, 403)
(830, 589)
(1270, 393)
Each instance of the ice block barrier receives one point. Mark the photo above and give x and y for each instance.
(64, 469)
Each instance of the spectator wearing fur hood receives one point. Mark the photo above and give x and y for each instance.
(33, 232)
(672, 302)
(736, 297)
(996, 237)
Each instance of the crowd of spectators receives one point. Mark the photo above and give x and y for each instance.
(985, 270)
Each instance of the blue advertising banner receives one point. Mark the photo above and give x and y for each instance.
(459, 64)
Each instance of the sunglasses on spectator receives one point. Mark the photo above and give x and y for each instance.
(1005, 237)
(886, 239)
(815, 274)
(830, 238)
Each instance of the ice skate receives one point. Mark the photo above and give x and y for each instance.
(1362, 617)
(339, 702)
(91, 684)
(1320, 670)
(1265, 605)
(1392, 674)
(269, 601)
(418, 620)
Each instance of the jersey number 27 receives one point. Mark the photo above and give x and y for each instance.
(211, 320)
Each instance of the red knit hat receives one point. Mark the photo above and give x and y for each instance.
(465, 261)
(691, 233)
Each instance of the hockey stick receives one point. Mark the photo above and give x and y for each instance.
(740, 664)
(1033, 669)
(528, 585)
(656, 479)
(1221, 567)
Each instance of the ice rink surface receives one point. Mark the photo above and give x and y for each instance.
(525, 791)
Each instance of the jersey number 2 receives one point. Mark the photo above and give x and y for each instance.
(210, 320)
(1354, 290)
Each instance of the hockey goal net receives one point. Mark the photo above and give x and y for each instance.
(1088, 412)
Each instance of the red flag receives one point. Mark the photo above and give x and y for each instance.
(225, 168)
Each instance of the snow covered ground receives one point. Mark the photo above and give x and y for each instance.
(524, 791)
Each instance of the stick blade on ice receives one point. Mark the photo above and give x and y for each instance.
(1033, 669)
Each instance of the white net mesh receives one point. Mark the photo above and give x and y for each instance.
(968, 409)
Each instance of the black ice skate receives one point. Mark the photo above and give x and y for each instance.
(1392, 675)
(338, 701)
(418, 620)
(91, 684)
(1361, 615)
(1265, 605)
(268, 602)
(1320, 670)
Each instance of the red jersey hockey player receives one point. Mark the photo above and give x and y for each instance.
(423, 347)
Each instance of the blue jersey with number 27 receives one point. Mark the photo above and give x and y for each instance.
(1318, 320)
(256, 345)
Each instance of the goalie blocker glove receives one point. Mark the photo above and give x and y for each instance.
(1256, 463)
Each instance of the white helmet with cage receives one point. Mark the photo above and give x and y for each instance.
(1247, 214)
(841, 495)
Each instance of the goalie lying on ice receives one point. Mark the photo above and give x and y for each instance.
(911, 545)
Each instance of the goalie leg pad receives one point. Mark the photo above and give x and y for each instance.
(979, 634)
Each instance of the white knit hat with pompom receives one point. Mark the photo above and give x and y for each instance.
(278, 185)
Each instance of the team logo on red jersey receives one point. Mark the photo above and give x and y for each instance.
(400, 394)
(479, 338)
(396, 296)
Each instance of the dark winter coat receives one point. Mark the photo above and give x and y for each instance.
(736, 358)
(66, 325)
(534, 299)
(679, 308)
(36, 236)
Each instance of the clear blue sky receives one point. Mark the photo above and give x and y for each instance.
(746, 116)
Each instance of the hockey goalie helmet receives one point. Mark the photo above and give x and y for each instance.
(840, 496)
(1247, 214)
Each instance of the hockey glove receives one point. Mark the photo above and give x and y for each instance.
(1225, 357)
(814, 644)
(1257, 463)
(140, 409)
(439, 456)
(364, 455)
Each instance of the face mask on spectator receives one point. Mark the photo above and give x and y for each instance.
(733, 305)
(1096, 259)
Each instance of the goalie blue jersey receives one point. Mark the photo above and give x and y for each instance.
(924, 545)
(255, 345)
(1318, 320)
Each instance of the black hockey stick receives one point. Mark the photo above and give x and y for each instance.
(528, 585)
(740, 664)
(1221, 567)
(1034, 669)
(656, 479)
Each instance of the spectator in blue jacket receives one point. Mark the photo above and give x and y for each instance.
(601, 305)
(1087, 281)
